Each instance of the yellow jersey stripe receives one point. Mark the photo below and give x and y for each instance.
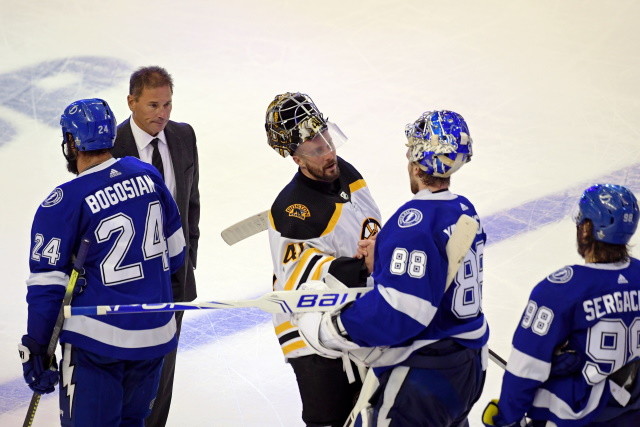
(300, 268)
(318, 270)
(283, 327)
(271, 223)
(296, 345)
(357, 185)
(334, 220)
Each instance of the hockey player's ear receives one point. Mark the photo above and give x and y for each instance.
(414, 170)
(298, 161)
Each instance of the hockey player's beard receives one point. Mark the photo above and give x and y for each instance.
(72, 165)
(324, 173)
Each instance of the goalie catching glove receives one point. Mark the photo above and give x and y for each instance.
(325, 334)
(40, 373)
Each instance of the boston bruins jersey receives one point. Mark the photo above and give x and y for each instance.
(314, 228)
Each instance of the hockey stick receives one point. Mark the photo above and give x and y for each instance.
(271, 302)
(245, 228)
(457, 248)
(57, 328)
(497, 359)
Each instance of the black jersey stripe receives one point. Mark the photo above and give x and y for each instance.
(307, 271)
(288, 337)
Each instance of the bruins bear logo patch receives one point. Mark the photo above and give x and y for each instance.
(298, 211)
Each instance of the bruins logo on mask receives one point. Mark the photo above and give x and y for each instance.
(298, 211)
(370, 227)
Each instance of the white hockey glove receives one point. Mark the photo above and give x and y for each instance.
(320, 330)
(330, 281)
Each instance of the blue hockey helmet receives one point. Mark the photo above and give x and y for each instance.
(91, 123)
(612, 209)
(439, 141)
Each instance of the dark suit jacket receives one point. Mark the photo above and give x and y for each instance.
(181, 140)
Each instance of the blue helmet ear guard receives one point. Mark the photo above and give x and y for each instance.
(440, 142)
(612, 209)
(91, 123)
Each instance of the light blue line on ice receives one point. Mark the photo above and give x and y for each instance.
(214, 325)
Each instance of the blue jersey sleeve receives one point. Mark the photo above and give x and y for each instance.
(54, 241)
(410, 301)
(543, 327)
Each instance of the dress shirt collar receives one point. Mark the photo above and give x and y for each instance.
(142, 138)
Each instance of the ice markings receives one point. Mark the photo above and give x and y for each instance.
(41, 91)
(7, 132)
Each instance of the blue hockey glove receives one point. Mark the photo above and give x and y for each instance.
(566, 362)
(40, 375)
(81, 284)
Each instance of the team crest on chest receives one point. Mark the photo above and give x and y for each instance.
(298, 211)
(409, 218)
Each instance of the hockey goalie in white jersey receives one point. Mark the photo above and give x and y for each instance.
(314, 227)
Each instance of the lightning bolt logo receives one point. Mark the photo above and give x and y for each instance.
(67, 375)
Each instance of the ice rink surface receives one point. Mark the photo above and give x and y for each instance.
(550, 90)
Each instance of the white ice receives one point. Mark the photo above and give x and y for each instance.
(550, 91)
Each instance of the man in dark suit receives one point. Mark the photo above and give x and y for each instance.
(170, 146)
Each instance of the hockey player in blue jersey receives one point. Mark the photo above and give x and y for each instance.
(110, 366)
(576, 351)
(429, 340)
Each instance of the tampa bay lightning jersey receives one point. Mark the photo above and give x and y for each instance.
(592, 309)
(409, 307)
(136, 241)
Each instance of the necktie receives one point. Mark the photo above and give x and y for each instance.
(156, 160)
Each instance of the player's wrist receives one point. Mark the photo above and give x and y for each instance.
(33, 346)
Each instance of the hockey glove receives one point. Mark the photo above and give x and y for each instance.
(490, 411)
(319, 330)
(81, 284)
(40, 375)
(566, 362)
(491, 417)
